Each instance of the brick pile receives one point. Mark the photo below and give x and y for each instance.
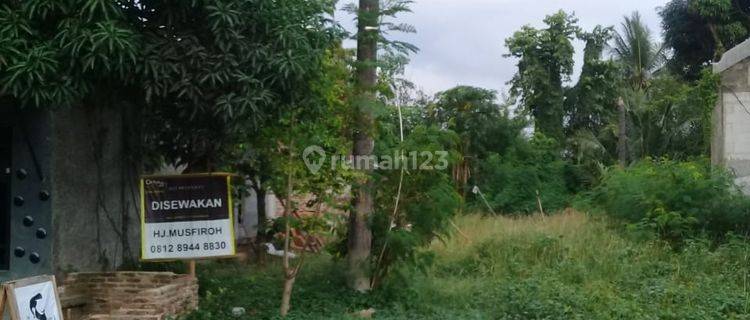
(129, 295)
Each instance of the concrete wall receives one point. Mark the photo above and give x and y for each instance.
(246, 226)
(93, 187)
(731, 118)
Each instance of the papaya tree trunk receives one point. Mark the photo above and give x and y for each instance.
(360, 236)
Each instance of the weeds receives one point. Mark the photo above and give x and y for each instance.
(676, 200)
(565, 266)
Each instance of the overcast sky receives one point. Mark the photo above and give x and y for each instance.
(462, 41)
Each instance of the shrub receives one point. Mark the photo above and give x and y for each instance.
(511, 182)
(676, 199)
(427, 201)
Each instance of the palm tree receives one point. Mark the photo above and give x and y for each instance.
(639, 58)
(638, 55)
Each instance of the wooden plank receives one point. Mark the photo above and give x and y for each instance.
(2, 302)
(57, 297)
(25, 282)
(10, 298)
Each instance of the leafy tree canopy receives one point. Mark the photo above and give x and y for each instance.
(215, 73)
(589, 103)
(57, 53)
(203, 73)
(545, 62)
(482, 124)
(700, 31)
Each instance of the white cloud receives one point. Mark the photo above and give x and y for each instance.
(462, 42)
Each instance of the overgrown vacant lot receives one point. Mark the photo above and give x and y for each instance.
(565, 266)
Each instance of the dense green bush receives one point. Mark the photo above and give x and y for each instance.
(427, 200)
(510, 182)
(676, 199)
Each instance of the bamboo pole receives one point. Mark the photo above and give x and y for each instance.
(539, 203)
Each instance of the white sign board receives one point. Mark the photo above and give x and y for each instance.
(186, 217)
(34, 299)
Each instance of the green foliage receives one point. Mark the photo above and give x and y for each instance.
(320, 119)
(482, 125)
(383, 19)
(566, 266)
(59, 53)
(574, 267)
(673, 118)
(700, 31)
(545, 62)
(508, 167)
(427, 197)
(494, 154)
(204, 75)
(511, 181)
(665, 115)
(320, 292)
(589, 112)
(211, 85)
(637, 54)
(678, 200)
(588, 105)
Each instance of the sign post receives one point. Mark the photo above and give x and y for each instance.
(191, 268)
(187, 217)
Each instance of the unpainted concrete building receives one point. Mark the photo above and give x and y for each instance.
(730, 145)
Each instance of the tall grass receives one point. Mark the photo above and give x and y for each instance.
(565, 266)
(572, 265)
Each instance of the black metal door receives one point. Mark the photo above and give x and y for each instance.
(6, 140)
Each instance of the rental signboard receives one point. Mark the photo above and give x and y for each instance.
(186, 217)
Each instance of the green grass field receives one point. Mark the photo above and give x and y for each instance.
(564, 266)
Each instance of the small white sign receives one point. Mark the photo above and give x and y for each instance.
(37, 302)
(34, 299)
(188, 240)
